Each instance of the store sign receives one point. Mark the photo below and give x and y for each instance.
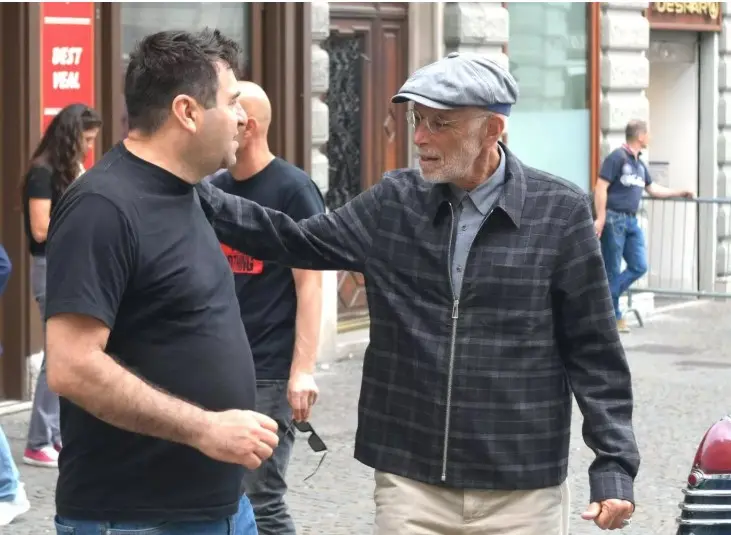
(67, 58)
(691, 16)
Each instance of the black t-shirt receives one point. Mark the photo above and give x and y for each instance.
(38, 185)
(628, 177)
(130, 245)
(266, 290)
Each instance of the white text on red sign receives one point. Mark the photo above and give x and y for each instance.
(66, 55)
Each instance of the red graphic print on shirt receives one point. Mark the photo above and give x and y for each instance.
(242, 264)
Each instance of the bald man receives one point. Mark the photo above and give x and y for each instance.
(280, 307)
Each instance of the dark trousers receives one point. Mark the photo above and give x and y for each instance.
(266, 485)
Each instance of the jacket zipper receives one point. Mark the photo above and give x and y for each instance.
(453, 341)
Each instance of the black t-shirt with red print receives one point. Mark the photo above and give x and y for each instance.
(266, 290)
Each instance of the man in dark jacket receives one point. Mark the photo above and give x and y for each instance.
(489, 305)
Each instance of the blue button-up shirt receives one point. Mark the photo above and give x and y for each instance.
(472, 208)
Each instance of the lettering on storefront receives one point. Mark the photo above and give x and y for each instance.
(67, 58)
(691, 16)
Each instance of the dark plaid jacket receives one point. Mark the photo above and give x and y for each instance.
(474, 391)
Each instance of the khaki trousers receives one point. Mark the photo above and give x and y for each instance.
(408, 507)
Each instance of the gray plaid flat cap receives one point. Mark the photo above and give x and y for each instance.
(461, 80)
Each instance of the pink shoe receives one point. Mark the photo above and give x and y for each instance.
(57, 447)
(45, 457)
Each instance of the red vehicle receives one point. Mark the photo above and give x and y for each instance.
(706, 509)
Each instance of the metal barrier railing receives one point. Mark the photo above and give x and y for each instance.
(688, 244)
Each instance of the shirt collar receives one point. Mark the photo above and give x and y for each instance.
(483, 195)
(630, 153)
(511, 198)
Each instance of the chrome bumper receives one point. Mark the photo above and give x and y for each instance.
(705, 512)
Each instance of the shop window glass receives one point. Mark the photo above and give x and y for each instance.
(548, 50)
(141, 19)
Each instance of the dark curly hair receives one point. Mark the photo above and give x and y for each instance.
(61, 145)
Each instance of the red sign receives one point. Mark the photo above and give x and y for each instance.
(67, 58)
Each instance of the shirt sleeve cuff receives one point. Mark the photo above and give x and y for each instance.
(611, 485)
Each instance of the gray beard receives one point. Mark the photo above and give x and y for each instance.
(433, 180)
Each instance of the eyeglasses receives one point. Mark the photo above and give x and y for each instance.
(435, 124)
(314, 441)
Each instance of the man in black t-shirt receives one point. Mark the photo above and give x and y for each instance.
(280, 307)
(145, 343)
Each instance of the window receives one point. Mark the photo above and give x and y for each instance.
(141, 19)
(549, 127)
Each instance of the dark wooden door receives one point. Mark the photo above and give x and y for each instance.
(368, 135)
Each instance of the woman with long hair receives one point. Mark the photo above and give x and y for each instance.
(54, 165)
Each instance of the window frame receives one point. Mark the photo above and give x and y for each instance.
(593, 86)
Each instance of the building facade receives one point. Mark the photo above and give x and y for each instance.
(328, 69)
(57, 53)
(584, 70)
(665, 62)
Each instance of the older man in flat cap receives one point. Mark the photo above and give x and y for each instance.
(489, 306)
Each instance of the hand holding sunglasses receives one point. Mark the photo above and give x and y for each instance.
(302, 394)
(314, 441)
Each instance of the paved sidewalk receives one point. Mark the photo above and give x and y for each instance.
(682, 368)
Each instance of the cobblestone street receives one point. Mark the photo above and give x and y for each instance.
(681, 369)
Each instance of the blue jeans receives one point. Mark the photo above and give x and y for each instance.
(266, 485)
(621, 238)
(242, 523)
(9, 475)
(45, 420)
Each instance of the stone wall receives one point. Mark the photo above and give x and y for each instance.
(624, 70)
(723, 186)
(624, 76)
(480, 28)
(320, 17)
